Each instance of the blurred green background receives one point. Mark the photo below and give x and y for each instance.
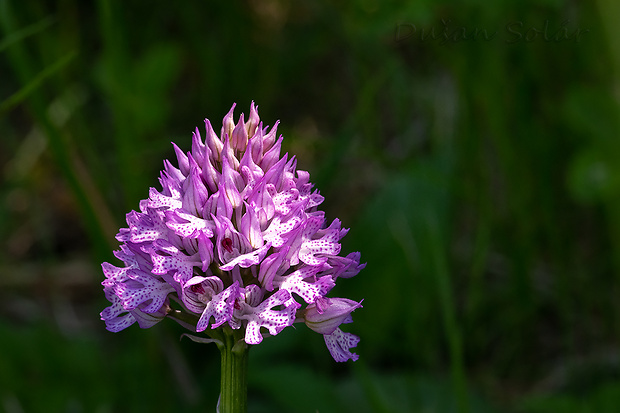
(472, 147)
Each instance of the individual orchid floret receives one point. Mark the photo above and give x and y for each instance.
(325, 315)
(233, 242)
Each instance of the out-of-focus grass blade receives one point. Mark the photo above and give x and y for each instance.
(23, 67)
(23, 93)
(26, 31)
(446, 298)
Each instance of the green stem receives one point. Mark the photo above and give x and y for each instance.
(234, 385)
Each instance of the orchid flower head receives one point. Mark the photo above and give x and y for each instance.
(233, 239)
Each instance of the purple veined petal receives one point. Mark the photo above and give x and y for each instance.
(229, 154)
(170, 185)
(272, 156)
(189, 245)
(248, 259)
(199, 291)
(326, 314)
(239, 139)
(229, 242)
(248, 182)
(273, 265)
(195, 192)
(173, 173)
(210, 175)
(275, 174)
(248, 162)
(228, 124)
(183, 162)
(218, 205)
(205, 250)
(270, 138)
(289, 173)
(252, 295)
(198, 148)
(256, 145)
(253, 120)
(261, 199)
(338, 343)
(212, 141)
(223, 207)
(293, 241)
(235, 275)
(228, 184)
(273, 320)
(303, 182)
(220, 308)
(250, 227)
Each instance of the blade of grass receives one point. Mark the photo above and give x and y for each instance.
(93, 211)
(444, 287)
(19, 96)
(26, 32)
(438, 265)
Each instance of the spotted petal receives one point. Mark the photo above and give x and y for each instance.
(338, 343)
(142, 287)
(273, 320)
(220, 308)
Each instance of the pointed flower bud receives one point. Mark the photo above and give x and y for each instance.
(325, 315)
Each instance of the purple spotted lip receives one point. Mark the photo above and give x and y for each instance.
(233, 238)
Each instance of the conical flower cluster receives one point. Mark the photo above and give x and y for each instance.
(233, 238)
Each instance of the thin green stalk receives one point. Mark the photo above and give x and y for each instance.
(607, 8)
(437, 257)
(27, 31)
(35, 83)
(234, 382)
(444, 286)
